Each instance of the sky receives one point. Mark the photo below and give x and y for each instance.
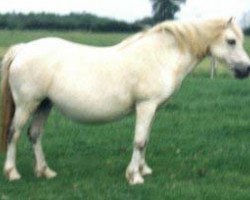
(127, 10)
(212, 8)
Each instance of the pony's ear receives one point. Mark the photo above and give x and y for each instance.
(230, 21)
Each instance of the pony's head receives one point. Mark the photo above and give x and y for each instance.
(228, 47)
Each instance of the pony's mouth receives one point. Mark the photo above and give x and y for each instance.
(241, 73)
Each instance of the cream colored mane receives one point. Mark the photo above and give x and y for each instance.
(195, 36)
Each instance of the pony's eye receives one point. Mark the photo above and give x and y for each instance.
(231, 42)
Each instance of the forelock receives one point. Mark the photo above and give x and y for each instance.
(237, 31)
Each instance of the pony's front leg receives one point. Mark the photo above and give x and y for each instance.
(145, 112)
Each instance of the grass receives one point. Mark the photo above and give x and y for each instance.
(199, 146)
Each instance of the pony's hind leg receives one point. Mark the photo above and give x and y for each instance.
(21, 116)
(35, 136)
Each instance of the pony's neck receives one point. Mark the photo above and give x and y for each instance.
(195, 37)
(198, 45)
(197, 42)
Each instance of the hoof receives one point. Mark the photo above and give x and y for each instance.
(134, 178)
(46, 172)
(12, 174)
(146, 170)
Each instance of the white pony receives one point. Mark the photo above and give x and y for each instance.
(93, 84)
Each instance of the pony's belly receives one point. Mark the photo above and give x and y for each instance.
(86, 109)
(93, 114)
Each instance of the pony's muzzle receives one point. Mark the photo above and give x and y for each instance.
(241, 73)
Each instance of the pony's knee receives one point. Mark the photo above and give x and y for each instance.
(140, 144)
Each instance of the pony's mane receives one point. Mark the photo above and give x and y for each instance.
(132, 39)
(195, 36)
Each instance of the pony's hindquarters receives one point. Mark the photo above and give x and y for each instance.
(19, 103)
(8, 110)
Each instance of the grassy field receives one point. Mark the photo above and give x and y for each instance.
(199, 146)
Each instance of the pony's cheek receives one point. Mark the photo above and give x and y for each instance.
(219, 52)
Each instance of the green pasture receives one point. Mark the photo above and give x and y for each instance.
(199, 147)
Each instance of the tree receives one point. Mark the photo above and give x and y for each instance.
(165, 9)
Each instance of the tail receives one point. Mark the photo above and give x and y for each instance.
(8, 106)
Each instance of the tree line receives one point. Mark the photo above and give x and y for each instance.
(73, 21)
(247, 31)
